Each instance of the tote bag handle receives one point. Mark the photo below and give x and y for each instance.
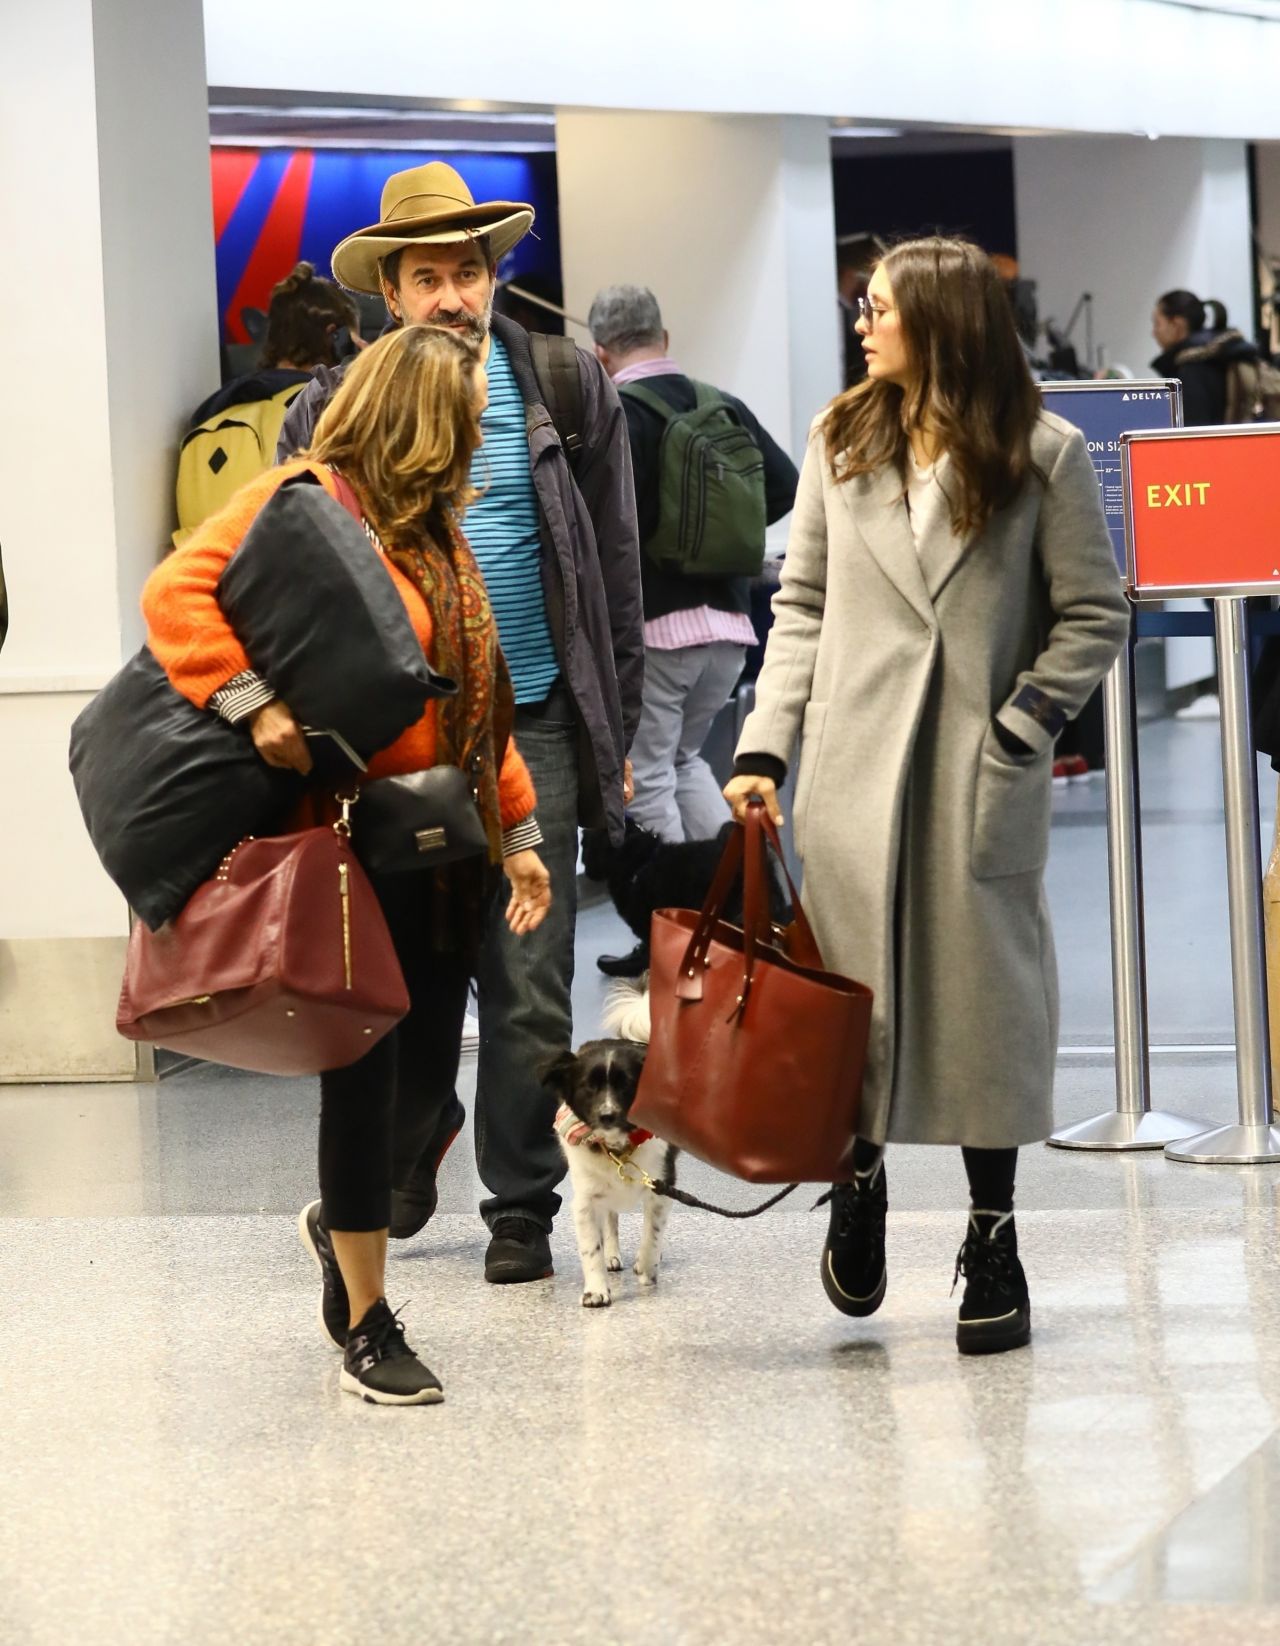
(748, 848)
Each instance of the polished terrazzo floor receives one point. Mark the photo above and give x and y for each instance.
(725, 1460)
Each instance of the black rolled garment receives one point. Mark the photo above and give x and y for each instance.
(312, 604)
(166, 788)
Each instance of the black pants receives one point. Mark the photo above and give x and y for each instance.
(991, 1173)
(378, 1116)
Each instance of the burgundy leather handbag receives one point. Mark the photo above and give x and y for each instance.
(756, 1053)
(282, 963)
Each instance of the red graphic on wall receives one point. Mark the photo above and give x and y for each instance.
(232, 169)
(278, 245)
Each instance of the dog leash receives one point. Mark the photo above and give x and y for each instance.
(668, 1191)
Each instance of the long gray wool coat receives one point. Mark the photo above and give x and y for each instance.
(924, 843)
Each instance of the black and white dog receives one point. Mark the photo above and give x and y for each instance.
(596, 1087)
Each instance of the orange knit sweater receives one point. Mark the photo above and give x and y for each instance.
(199, 651)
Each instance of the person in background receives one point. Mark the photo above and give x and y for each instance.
(553, 530)
(232, 435)
(949, 599)
(697, 628)
(1201, 359)
(856, 258)
(402, 432)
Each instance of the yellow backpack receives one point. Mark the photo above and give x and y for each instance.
(218, 456)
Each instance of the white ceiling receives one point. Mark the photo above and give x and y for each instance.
(1138, 67)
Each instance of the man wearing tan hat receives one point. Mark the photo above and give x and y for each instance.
(554, 531)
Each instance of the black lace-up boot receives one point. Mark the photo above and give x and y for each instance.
(995, 1312)
(379, 1366)
(854, 1275)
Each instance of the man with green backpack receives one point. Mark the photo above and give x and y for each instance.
(708, 479)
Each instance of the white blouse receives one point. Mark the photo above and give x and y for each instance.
(927, 505)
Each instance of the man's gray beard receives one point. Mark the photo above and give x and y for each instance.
(477, 325)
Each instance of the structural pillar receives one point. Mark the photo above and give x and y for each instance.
(730, 221)
(108, 333)
(1126, 219)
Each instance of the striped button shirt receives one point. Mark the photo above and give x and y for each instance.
(502, 529)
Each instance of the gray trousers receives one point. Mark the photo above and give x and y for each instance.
(677, 795)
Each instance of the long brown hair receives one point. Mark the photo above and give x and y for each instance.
(403, 428)
(973, 387)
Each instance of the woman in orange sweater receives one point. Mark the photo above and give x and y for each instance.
(401, 433)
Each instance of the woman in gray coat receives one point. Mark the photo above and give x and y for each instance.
(949, 600)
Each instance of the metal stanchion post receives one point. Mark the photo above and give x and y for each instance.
(1254, 1139)
(1133, 1124)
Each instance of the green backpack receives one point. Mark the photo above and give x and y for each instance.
(711, 504)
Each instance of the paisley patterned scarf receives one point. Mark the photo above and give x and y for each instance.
(474, 727)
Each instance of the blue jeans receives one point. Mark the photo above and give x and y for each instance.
(525, 988)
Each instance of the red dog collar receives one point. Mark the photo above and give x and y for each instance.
(576, 1132)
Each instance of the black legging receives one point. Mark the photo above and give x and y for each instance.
(378, 1116)
(991, 1173)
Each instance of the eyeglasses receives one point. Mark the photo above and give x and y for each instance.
(870, 313)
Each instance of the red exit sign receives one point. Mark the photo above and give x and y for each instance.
(1202, 511)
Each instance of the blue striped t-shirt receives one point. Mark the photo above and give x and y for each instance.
(502, 528)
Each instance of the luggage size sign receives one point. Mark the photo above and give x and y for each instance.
(1202, 511)
(1104, 411)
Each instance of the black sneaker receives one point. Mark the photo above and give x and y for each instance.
(519, 1250)
(379, 1366)
(854, 1274)
(335, 1310)
(635, 964)
(414, 1205)
(995, 1312)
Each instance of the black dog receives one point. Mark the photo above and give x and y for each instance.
(646, 873)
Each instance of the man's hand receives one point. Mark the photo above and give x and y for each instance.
(740, 790)
(628, 783)
(530, 891)
(278, 738)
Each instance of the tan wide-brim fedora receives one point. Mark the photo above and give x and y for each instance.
(427, 206)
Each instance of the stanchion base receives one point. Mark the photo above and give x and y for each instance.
(1120, 1130)
(1230, 1146)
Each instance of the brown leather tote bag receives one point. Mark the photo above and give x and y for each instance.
(282, 963)
(756, 1053)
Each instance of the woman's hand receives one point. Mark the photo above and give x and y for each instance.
(278, 738)
(530, 891)
(739, 790)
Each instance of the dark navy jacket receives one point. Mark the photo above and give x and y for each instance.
(1201, 362)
